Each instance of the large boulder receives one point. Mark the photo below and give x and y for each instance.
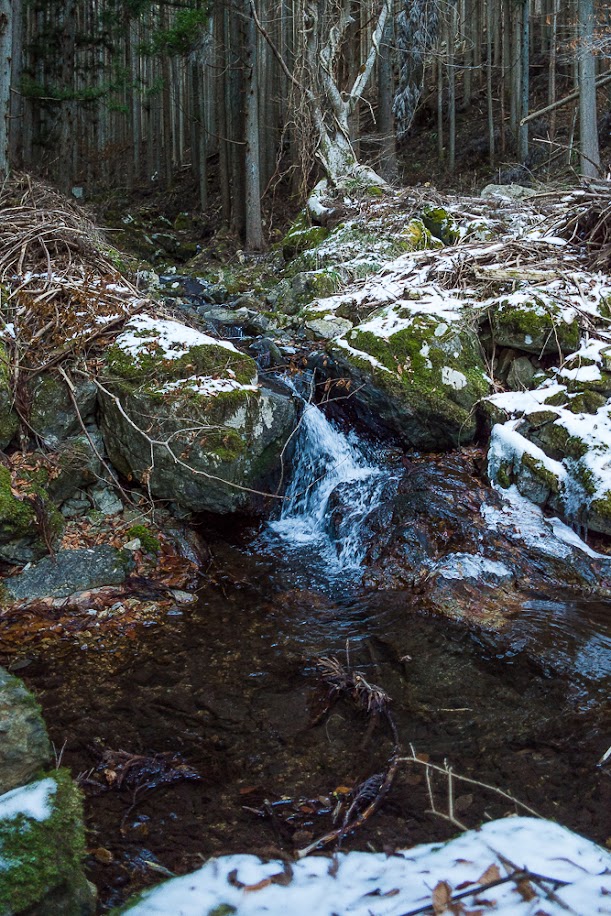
(184, 414)
(413, 375)
(554, 442)
(24, 745)
(42, 844)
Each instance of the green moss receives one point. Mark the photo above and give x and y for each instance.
(9, 421)
(150, 543)
(441, 224)
(533, 327)
(586, 402)
(416, 237)
(586, 479)
(42, 857)
(151, 365)
(223, 909)
(226, 444)
(16, 515)
(503, 476)
(302, 236)
(557, 400)
(602, 506)
(538, 469)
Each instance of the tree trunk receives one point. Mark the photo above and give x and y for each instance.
(6, 43)
(388, 152)
(254, 230)
(16, 103)
(588, 131)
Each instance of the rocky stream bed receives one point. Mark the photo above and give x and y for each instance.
(326, 540)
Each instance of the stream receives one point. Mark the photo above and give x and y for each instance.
(232, 687)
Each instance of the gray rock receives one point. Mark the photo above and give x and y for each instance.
(105, 500)
(507, 191)
(71, 571)
(328, 327)
(24, 744)
(521, 374)
(53, 416)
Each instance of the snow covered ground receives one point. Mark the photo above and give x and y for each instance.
(469, 876)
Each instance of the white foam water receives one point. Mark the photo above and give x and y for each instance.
(332, 491)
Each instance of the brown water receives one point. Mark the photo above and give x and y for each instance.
(232, 686)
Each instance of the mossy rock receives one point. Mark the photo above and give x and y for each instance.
(52, 415)
(20, 538)
(156, 360)
(417, 237)
(586, 402)
(599, 514)
(537, 470)
(224, 434)
(9, 421)
(42, 856)
(24, 744)
(534, 327)
(441, 224)
(556, 441)
(150, 544)
(302, 236)
(422, 383)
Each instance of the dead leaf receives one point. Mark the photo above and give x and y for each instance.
(491, 874)
(442, 897)
(526, 890)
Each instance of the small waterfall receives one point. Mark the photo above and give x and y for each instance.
(332, 491)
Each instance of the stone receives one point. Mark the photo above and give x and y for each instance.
(105, 500)
(24, 744)
(534, 324)
(21, 537)
(224, 432)
(507, 191)
(420, 384)
(42, 845)
(521, 374)
(328, 326)
(53, 416)
(71, 571)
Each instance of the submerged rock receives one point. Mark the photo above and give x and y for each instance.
(184, 414)
(24, 745)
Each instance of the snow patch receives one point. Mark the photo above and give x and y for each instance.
(173, 338)
(33, 801)
(373, 884)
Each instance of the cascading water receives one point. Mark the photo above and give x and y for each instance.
(333, 489)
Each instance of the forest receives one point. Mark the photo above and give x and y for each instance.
(250, 95)
(305, 457)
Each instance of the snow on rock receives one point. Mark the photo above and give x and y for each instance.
(173, 338)
(471, 566)
(578, 877)
(31, 801)
(521, 521)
